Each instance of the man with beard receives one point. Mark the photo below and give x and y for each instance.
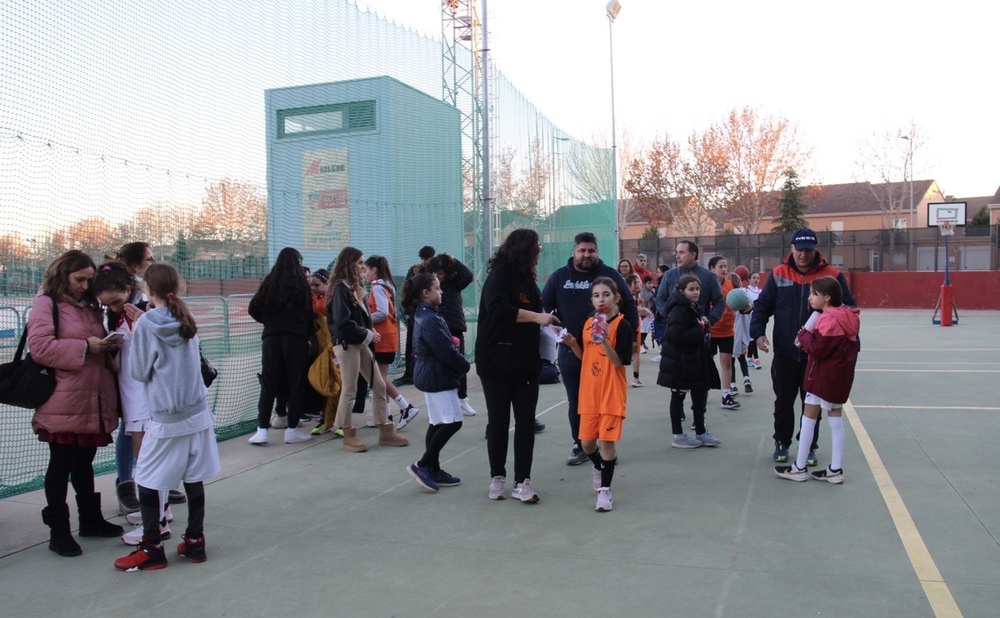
(567, 294)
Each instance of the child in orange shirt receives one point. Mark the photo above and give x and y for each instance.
(607, 341)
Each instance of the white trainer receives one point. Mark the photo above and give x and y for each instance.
(260, 437)
(134, 536)
(524, 492)
(467, 408)
(136, 518)
(497, 489)
(294, 435)
(604, 500)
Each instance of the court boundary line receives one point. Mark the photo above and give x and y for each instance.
(935, 589)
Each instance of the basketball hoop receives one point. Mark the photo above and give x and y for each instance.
(947, 228)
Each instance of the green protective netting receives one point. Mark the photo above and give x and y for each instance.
(154, 122)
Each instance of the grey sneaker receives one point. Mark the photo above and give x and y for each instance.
(497, 489)
(278, 422)
(576, 457)
(708, 439)
(524, 492)
(685, 441)
(792, 473)
(604, 500)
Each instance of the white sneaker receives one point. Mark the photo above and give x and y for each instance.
(497, 489)
(638, 383)
(134, 536)
(279, 422)
(260, 437)
(524, 492)
(604, 501)
(467, 408)
(655, 359)
(297, 434)
(136, 518)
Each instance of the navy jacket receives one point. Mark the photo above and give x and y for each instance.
(567, 292)
(439, 364)
(786, 297)
(685, 363)
(710, 302)
(451, 301)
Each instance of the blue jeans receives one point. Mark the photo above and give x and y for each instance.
(569, 368)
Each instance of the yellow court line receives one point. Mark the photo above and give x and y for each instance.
(938, 595)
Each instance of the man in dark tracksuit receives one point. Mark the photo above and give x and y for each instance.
(567, 293)
(786, 297)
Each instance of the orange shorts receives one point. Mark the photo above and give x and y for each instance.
(604, 427)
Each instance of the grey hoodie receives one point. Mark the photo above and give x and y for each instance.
(168, 365)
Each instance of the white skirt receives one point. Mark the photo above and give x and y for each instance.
(443, 407)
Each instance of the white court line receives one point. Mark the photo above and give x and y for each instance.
(929, 370)
(906, 407)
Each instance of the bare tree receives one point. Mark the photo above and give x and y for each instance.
(885, 163)
(530, 189)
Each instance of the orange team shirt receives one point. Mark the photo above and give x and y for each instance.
(725, 327)
(604, 387)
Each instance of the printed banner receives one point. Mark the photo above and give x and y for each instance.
(326, 212)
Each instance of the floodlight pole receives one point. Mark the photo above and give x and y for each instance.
(487, 196)
(909, 140)
(613, 8)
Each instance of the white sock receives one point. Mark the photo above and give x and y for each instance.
(402, 402)
(836, 424)
(805, 433)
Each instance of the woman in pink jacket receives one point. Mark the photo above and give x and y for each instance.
(82, 411)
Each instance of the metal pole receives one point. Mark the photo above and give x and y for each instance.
(487, 196)
(912, 231)
(614, 142)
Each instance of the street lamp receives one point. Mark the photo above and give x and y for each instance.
(909, 140)
(613, 8)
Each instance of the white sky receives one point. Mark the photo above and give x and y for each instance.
(840, 71)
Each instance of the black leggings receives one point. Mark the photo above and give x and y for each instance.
(437, 436)
(69, 463)
(502, 394)
(284, 368)
(149, 505)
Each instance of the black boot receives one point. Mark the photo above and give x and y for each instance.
(92, 520)
(61, 540)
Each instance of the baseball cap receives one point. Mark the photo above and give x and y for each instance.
(803, 239)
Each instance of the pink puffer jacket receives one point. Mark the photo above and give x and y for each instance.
(85, 400)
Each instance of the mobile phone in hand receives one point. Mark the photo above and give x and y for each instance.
(114, 337)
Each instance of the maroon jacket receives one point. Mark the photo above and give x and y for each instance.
(85, 400)
(833, 353)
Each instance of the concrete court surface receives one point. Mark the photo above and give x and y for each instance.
(311, 530)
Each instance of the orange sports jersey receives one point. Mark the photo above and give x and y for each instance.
(604, 387)
(726, 326)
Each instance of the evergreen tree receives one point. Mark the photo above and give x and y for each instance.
(181, 252)
(791, 208)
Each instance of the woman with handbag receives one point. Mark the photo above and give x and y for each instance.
(82, 412)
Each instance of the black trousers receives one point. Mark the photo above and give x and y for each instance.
(284, 363)
(69, 463)
(787, 375)
(502, 395)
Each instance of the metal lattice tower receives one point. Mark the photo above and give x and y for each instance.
(461, 73)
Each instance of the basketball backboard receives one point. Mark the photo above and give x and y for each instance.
(955, 212)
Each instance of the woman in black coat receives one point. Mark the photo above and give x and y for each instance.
(685, 363)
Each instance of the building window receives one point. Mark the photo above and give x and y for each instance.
(326, 119)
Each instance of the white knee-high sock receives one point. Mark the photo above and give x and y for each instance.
(836, 424)
(402, 402)
(805, 431)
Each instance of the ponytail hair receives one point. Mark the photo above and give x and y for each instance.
(413, 289)
(381, 265)
(163, 281)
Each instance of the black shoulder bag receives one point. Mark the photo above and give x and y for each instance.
(23, 382)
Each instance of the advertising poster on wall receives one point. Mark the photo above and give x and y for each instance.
(326, 213)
